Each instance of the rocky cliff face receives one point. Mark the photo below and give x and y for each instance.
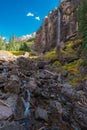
(47, 35)
(69, 23)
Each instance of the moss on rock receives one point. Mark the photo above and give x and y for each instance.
(51, 55)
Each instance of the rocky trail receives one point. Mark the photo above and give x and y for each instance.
(33, 97)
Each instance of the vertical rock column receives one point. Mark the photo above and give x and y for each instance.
(58, 29)
(44, 35)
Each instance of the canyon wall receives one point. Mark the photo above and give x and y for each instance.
(47, 37)
(69, 24)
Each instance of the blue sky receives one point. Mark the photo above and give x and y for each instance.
(23, 16)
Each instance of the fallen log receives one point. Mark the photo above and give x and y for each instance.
(54, 74)
(3, 103)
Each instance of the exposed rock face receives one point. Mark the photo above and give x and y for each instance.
(32, 94)
(47, 35)
(5, 111)
(69, 23)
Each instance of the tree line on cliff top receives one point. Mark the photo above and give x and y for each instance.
(15, 45)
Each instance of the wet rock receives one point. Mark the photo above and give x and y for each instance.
(20, 108)
(13, 85)
(41, 114)
(68, 91)
(57, 105)
(12, 100)
(32, 86)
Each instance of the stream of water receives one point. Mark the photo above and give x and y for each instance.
(5, 71)
(26, 101)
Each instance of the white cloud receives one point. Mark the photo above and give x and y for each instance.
(30, 14)
(3, 38)
(37, 18)
(46, 16)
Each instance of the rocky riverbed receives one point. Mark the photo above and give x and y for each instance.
(33, 97)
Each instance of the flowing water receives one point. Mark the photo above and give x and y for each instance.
(27, 107)
(26, 101)
(5, 71)
(24, 84)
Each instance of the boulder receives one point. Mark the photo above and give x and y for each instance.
(68, 91)
(13, 85)
(5, 111)
(57, 105)
(31, 85)
(80, 114)
(41, 114)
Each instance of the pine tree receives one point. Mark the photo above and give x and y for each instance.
(82, 24)
(12, 42)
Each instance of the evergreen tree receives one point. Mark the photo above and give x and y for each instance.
(82, 24)
(24, 47)
(3, 44)
(11, 42)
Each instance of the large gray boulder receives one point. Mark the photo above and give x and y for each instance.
(41, 114)
(5, 111)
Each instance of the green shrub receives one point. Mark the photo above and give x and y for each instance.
(52, 55)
